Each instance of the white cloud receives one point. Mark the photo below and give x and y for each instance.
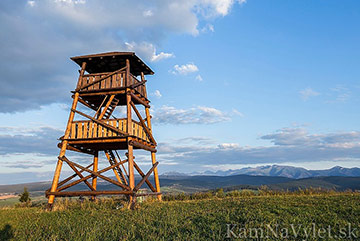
(161, 55)
(31, 3)
(307, 93)
(147, 51)
(229, 145)
(290, 145)
(185, 69)
(196, 115)
(157, 93)
(62, 28)
(199, 78)
(148, 13)
(208, 28)
(217, 7)
(339, 94)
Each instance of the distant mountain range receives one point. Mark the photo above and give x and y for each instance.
(203, 183)
(286, 171)
(275, 177)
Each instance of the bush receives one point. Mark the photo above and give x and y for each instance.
(25, 196)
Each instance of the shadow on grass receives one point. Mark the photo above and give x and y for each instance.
(6, 233)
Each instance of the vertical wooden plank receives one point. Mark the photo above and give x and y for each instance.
(85, 134)
(95, 131)
(73, 131)
(105, 130)
(80, 128)
(113, 123)
(90, 134)
(100, 133)
(113, 81)
(97, 85)
(108, 82)
(122, 79)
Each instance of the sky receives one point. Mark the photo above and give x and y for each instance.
(237, 83)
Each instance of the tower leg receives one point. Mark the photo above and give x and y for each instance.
(131, 172)
(62, 152)
(153, 157)
(156, 175)
(95, 169)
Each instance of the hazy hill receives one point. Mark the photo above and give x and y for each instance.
(199, 183)
(288, 171)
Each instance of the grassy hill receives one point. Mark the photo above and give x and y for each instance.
(207, 219)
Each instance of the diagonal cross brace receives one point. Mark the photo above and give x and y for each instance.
(95, 173)
(69, 178)
(143, 175)
(92, 174)
(137, 187)
(81, 176)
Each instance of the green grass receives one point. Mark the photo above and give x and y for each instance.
(204, 219)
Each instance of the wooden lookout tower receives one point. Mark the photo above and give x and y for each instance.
(108, 81)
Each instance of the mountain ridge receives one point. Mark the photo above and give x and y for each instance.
(285, 171)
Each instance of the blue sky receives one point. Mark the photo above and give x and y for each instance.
(236, 84)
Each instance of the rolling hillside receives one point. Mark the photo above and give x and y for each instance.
(201, 183)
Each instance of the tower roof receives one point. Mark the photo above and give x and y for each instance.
(112, 61)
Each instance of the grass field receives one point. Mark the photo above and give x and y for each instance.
(240, 217)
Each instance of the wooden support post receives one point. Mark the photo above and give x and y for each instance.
(64, 143)
(129, 131)
(127, 78)
(156, 175)
(153, 157)
(95, 169)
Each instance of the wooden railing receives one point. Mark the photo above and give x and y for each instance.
(91, 130)
(115, 80)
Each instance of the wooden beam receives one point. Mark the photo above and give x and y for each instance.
(85, 178)
(100, 122)
(71, 148)
(80, 175)
(137, 84)
(64, 143)
(142, 146)
(106, 107)
(145, 177)
(87, 193)
(86, 104)
(139, 100)
(142, 122)
(99, 108)
(69, 178)
(156, 175)
(98, 80)
(95, 169)
(110, 91)
(97, 174)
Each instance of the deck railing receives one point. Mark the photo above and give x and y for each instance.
(91, 130)
(109, 81)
